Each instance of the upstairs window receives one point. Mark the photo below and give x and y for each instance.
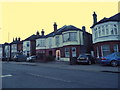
(112, 32)
(57, 40)
(96, 34)
(50, 42)
(103, 30)
(70, 36)
(66, 37)
(115, 29)
(73, 36)
(99, 33)
(107, 31)
(28, 44)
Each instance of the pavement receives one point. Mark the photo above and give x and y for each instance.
(66, 65)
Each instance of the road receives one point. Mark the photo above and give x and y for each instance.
(36, 76)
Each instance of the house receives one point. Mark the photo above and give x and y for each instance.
(1, 51)
(29, 45)
(106, 35)
(6, 50)
(63, 43)
(16, 47)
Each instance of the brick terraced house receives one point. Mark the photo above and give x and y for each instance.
(16, 47)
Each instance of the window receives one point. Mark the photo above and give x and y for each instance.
(99, 32)
(112, 32)
(115, 48)
(105, 50)
(107, 31)
(50, 42)
(96, 34)
(67, 52)
(97, 52)
(115, 29)
(103, 30)
(38, 45)
(57, 40)
(66, 37)
(71, 36)
(27, 44)
(73, 52)
(42, 44)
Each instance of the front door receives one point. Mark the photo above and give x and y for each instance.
(57, 54)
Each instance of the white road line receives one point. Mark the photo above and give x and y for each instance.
(50, 77)
(5, 75)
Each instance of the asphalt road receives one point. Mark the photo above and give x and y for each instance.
(34, 76)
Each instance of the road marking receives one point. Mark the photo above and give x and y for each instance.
(5, 75)
(50, 77)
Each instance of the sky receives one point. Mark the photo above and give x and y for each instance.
(22, 19)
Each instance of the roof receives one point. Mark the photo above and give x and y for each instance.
(112, 18)
(32, 37)
(60, 30)
(16, 42)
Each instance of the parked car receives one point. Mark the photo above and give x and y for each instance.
(19, 58)
(86, 59)
(4, 59)
(31, 58)
(112, 59)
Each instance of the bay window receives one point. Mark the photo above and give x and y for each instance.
(70, 36)
(105, 50)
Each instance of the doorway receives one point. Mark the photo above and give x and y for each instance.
(58, 55)
(50, 53)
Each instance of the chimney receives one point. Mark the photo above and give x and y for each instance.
(94, 18)
(83, 28)
(13, 40)
(42, 32)
(55, 27)
(37, 33)
(16, 39)
(19, 39)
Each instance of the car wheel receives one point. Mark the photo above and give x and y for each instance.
(89, 62)
(114, 63)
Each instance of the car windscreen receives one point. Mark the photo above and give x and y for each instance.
(118, 54)
(82, 56)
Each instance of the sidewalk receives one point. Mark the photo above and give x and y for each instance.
(66, 65)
